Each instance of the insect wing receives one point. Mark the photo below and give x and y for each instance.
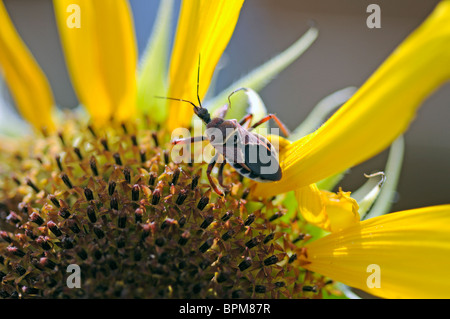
(231, 147)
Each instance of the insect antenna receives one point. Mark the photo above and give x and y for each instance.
(198, 82)
(175, 99)
(237, 90)
(198, 89)
(199, 110)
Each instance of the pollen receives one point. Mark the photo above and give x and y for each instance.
(138, 225)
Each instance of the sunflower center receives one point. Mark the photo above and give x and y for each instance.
(137, 224)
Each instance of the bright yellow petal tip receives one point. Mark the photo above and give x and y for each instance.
(380, 111)
(26, 81)
(101, 55)
(204, 30)
(399, 255)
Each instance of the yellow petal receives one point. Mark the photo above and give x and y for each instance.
(26, 81)
(279, 143)
(411, 250)
(329, 211)
(204, 29)
(101, 55)
(380, 111)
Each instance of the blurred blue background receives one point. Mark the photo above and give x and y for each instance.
(345, 54)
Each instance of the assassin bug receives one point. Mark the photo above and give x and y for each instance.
(236, 143)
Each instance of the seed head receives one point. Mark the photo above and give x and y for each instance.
(137, 224)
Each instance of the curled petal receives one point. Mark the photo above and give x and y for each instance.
(329, 211)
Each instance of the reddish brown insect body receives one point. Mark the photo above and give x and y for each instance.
(251, 154)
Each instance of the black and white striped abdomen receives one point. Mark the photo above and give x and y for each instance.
(258, 177)
(252, 157)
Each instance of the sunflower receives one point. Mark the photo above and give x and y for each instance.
(99, 189)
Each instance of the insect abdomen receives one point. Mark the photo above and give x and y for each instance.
(262, 178)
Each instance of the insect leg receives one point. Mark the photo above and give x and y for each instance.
(208, 174)
(220, 174)
(222, 112)
(189, 140)
(276, 119)
(246, 119)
